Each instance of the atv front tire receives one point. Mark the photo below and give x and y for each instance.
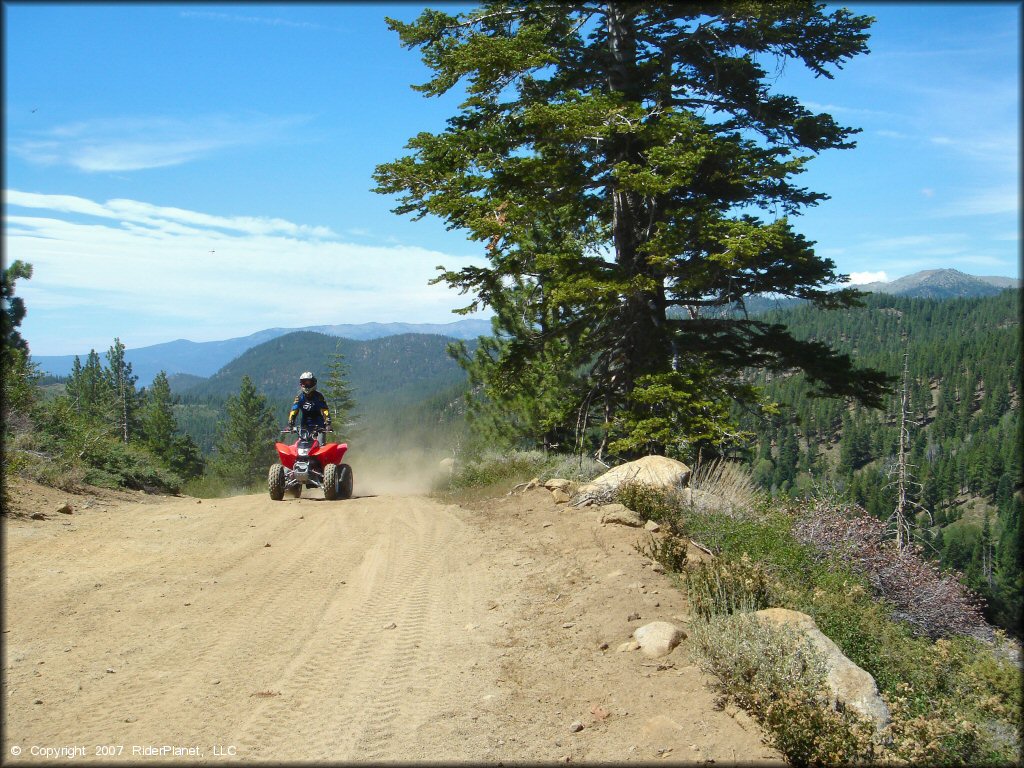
(345, 481)
(331, 482)
(275, 481)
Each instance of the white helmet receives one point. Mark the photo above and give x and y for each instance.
(307, 381)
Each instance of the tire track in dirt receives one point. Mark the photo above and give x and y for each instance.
(506, 617)
(361, 674)
(172, 654)
(196, 616)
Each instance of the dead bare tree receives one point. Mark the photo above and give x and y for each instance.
(901, 520)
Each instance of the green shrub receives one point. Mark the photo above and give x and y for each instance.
(577, 468)
(766, 539)
(809, 732)
(726, 585)
(669, 550)
(491, 468)
(650, 503)
(777, 676)
(953, 700)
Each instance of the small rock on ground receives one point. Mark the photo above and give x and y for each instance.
(658, 638)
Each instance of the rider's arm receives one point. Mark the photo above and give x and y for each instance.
(294, 411)
(324, 410)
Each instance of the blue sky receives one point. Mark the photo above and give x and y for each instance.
(204, 171)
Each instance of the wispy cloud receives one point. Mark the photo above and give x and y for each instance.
(162, 218)
(133, 144)
(839, 109)
(164, 273)
(235, 18)
(992, 201)
(904, 254)
(999, 148)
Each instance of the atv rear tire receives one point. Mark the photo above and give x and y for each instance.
(275, 482)
(297, 491)
(345, 481)
(331, 482)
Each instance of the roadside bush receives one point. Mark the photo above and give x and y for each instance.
(491, 468)
(661, 505)
(726, 585)
(114, 464)
(954, 701)
(211, 486)
(577, 468)
(766, 539)
(47, 469)
(669, 550)
(776, 676)
(779, 678)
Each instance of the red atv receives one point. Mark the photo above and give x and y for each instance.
(308, 463)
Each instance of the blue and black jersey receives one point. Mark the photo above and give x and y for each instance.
(313, 408)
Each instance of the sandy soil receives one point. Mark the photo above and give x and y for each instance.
(383, 628)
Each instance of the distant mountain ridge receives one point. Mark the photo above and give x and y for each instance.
(205, 358)
(942, 284)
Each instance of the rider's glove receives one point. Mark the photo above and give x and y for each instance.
(327, 426)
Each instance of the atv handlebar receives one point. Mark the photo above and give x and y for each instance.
(302, 431)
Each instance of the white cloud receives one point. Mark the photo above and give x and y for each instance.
(164, 218)
(133, 144)
(991, 201)
(862, 278)
(164, 273)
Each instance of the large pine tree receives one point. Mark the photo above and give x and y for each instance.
(631, 174)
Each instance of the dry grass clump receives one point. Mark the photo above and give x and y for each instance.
(936, 604)
(577, 467)
(725, 486)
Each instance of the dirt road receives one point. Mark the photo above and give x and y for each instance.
(379, 628)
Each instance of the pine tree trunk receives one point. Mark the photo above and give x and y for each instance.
(642, 345)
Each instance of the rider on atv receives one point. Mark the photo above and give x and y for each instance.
(311, 404)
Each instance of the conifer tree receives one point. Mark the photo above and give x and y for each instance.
(160, 430)
(88, 389)
(157, 415)
(121, 383)
(338, 393)
(12, 308)
(20, 375)
(630, 171)
(245, 441)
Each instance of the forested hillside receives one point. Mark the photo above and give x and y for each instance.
(401, 384)
(964, 374)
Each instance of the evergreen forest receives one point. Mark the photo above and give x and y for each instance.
(963, 420)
